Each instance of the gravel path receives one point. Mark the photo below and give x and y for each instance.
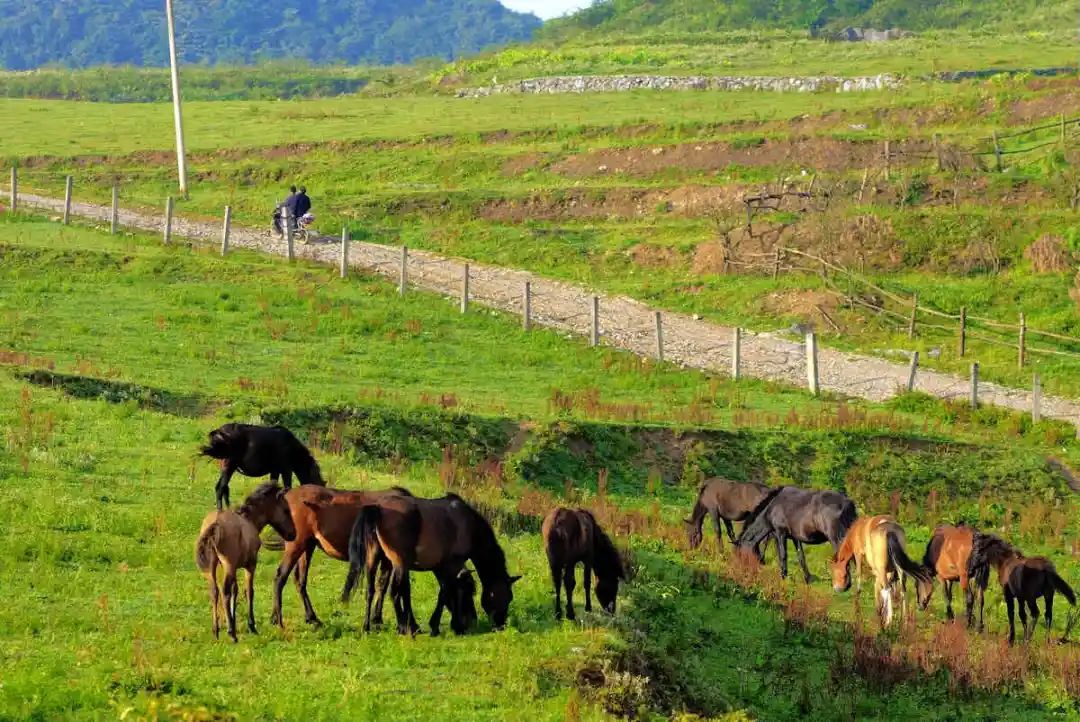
(624, 322)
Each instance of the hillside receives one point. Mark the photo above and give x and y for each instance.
(82, 33)
(612, 17)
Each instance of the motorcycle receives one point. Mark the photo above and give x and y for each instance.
(301, 227)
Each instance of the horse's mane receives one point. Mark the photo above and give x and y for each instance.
(605, 555)
(402, 490)
(483, 538)
(986, 550)
(263, 492)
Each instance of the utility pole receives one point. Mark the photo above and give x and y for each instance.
(181, 163)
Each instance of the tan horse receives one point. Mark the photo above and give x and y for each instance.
(230, 540)
(879, 542)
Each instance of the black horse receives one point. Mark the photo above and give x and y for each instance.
(805, 517)
(258, 451)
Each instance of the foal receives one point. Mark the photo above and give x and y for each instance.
(879, 541)
(1023, 580)
(725, 501)
(231, 540)
(572, 536)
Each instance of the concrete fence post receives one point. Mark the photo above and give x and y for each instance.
(168, 220)
(403, 276)
(594, 326)
(659, 336)
(14, 189)
(736, 353)
(465, 288)
(912, 370)
(1036, 399)
(226, 226)
(69, 182)
(343, 271)
(290, 245)
(114, 216)
(812, 363)
(975, 385)
(526, 306)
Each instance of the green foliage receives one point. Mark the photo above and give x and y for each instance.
(97, 32)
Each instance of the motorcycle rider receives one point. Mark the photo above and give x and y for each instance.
(290, 204)
(303, 203)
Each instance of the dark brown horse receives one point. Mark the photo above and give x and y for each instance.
(436, 535)
(801, 515)
(573, 536)
(726, 501)
(1023, 581)
(258, 451)
(947, 555)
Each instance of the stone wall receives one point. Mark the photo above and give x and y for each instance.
(621, 83)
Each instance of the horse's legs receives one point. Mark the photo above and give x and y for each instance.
(969, 605)
(781, 553)
(1009, 606)
(292, 553)
(802, 561)
(385, 569)
(586, 580)
(287, 475)
(250, 582)
(222, 488)
(730, 529)
(568, 582)
(445, 599)
(231, 590)
(211, 579)
(717, 528)
(1022, 609)
(556, 581)
(1049, 615)
(982, 603)
(948, 586)
(1029, 626)
(301, 584)
(405, 587)
(858, 573)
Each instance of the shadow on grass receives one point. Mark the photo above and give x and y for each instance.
(118, 392)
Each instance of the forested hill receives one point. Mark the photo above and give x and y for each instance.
(689, 16)
(93, 32)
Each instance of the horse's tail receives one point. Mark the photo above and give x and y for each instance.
(848, 515)
(898, 556)
(274, 544)
(1062, 586)
(933, 549)
(363, 533)
(206, 547)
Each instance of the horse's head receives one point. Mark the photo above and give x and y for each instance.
(693, 533)
(924, 588)
(464, 605)
(607, 588)
(267, 505)
(496, 598)
(841, 575)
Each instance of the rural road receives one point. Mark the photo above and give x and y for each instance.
(624, 323)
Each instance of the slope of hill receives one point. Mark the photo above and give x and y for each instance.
(93, 32)
(650, 16)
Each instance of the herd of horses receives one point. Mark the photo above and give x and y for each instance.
(387, 534)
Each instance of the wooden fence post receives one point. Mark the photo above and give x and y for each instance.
(1036, 399)
(914, 311)
(168, 219)
(343, 271)
(114, 217)
(865, 179)
(912, 370)
(776, 263)
(1063, 129)
(68, 183)
(290, 247)
(937, 152)
(14, 190)
(736, 353)
(963, 331)
(659, 336)
(403, 280)
(888, 160)
(812, 363)
(975, 385)
(997, 151)
(226, 226)
(1022, 345)
(526, 306)
(594, 330)
(465, 288)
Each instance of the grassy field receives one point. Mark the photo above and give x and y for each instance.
(103, 495)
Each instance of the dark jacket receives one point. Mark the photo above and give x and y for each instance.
(290, 204)
(303, 204)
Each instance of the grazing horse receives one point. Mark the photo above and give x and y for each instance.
(804, 517)
(1023, 580)
(321, 518)
(573, 536)
(231, 540)
(258, 451)
(723, 500)
(947, 555)
(436, 535)
(879, 541)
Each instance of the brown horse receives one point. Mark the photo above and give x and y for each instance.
(231, 540)
(436, 535)
(1023, 581)
(321, 518)
(947, 555)
(879, 542)
(573, 536)
(726, 501)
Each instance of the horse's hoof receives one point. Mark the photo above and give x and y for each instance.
(314, 622)
(252, 629)
(434, 631)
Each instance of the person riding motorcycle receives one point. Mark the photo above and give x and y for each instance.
(290, 204)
